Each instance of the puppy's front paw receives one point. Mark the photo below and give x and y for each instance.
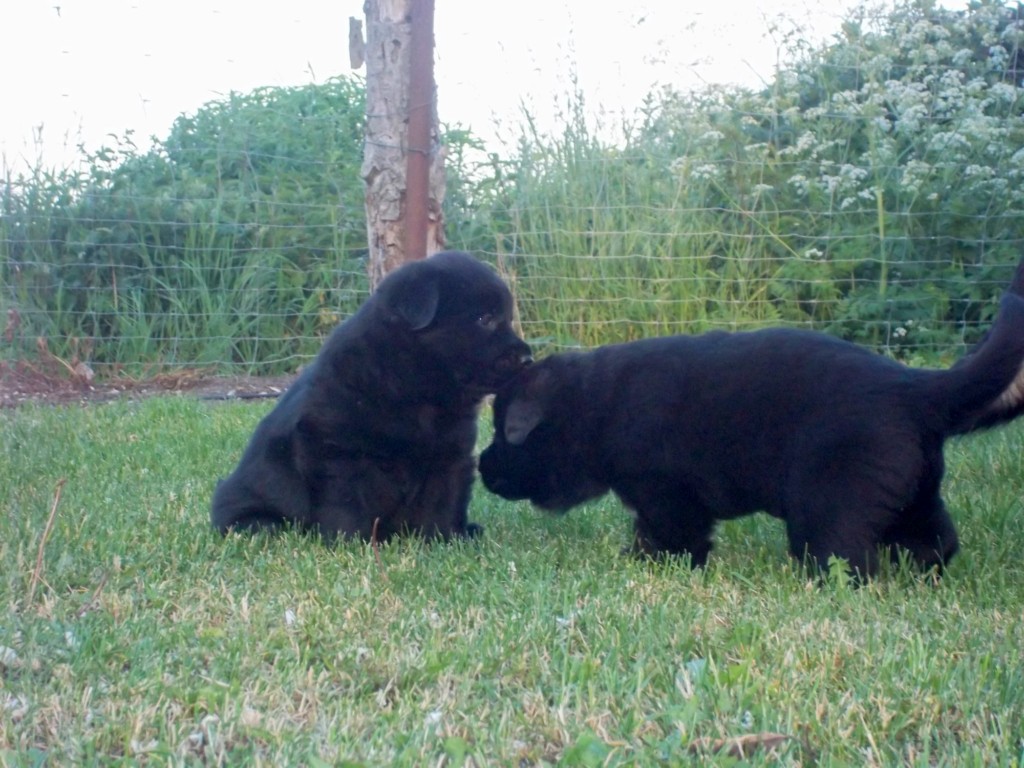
(645, 547)
(473, 530)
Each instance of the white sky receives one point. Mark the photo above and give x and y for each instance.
(83, 69)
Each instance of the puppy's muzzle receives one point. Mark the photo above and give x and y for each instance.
(515, 359)
(490, 473)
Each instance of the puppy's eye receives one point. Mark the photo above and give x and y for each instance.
(487, 321)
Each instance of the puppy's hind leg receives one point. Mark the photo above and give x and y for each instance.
(926, 531)
(828, 526)
(860, 551)
(844, 501)
(265, 492)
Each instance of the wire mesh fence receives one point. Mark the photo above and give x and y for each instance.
(872, 190)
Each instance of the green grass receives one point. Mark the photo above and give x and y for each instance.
(149, 639)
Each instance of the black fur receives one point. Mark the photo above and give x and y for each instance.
(1011, 404)
(376, 436)
(844, 445)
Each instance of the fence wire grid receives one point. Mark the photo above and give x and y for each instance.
(873, 190)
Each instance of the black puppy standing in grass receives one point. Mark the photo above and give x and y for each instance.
(843, 444)
(376, 436)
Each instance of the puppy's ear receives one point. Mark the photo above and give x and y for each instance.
(521, 418)
(412, 294)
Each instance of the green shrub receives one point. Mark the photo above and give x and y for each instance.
(240, 238)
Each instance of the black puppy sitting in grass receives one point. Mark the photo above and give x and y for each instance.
(376, 436)
(843, 444)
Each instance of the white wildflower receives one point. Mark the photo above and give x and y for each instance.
(915, 173)
(705, 172)
(678, 166)
(852, 172)
(997, 57)
(963, 57)
(830, 183)
(1004, 92)
(799, 181)
(806, 141)
(949, 142)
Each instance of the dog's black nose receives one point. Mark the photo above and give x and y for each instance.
(515, 358)
(493, 483)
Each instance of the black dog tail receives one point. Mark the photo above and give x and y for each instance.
(986, 388)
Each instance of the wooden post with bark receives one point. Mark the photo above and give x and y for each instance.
(403, 161)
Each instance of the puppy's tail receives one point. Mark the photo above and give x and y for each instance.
(986, 388)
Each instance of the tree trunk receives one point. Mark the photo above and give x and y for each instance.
(403, 172)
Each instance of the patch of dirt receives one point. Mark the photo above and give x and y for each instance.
(52, 381)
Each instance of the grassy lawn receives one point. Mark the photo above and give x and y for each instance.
(140, 636)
